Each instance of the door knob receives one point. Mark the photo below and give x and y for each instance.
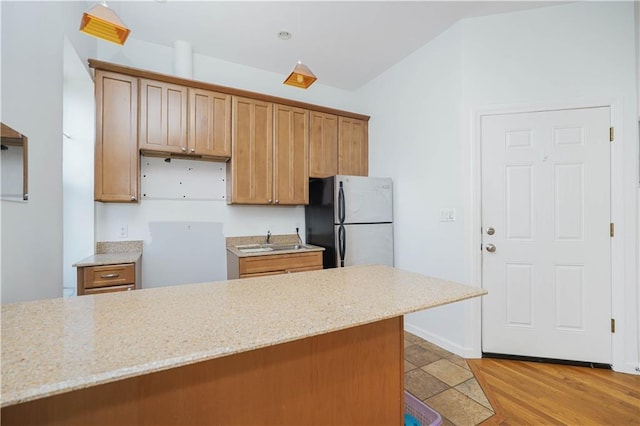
(491, 248)
(490, 231)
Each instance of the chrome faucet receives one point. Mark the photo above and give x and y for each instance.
(268, 238)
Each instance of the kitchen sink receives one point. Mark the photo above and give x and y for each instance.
(288, 247)
(258, 248)
(253, 249)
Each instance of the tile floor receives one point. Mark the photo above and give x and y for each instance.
(444, 382)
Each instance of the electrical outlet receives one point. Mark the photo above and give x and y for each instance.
(124, 231)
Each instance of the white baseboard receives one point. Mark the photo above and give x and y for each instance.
(468, 353)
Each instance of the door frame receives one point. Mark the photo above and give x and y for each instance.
(473, 220)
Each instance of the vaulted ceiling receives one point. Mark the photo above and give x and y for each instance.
(346, 44)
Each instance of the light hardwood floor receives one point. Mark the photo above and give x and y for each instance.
(530, 393)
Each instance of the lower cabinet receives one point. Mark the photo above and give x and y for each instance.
(106, 279)
(276, 264)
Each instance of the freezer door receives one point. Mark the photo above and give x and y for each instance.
(364, 244)
(363, 199)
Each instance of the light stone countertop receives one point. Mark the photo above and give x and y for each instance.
(113, 253)
(108, 259)
(59, 345)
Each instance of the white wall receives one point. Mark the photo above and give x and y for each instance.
(32, 43)
(78, 117)
(236, 220)
(414, 138)
(576, 54)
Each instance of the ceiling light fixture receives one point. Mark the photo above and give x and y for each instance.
(301, 76)
(102, 22)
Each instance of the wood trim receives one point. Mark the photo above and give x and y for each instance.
(8, 132)
(107, 66)
(351, 376)
(12, 137)
(25, 168)
(498, 417)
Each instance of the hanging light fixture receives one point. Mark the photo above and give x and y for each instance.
(301, 76)
(102, 22)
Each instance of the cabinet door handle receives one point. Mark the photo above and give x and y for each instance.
(184, 149)
(114, 275)
(277, 201)
(193, 150)
(269, 201)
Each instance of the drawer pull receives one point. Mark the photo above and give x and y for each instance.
(109, 275)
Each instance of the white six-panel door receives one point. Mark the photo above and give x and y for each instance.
(546, 265)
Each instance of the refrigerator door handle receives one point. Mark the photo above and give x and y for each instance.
(342, 243)
(341, 206)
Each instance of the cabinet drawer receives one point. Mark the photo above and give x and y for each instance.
(111, 289)
(110, 275)
(280, 262)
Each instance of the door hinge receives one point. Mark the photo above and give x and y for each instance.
(610, 134)
(613, 325)
(611, 229)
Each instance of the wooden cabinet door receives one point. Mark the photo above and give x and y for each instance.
(163, 117)
(280, 263)
(116, 153)
(209, 123)
(353, 147)
(323, 145)
(251, 165)
(291, 155)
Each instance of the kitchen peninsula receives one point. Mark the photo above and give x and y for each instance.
(320, 347)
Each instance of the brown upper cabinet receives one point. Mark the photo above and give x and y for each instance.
(163, 117)
(291, 155)
(175, 119)
(275, 144)
(209, 123)
(323, 144)
(353, 147)
(250, 171)
(269, 163)
(116, 150)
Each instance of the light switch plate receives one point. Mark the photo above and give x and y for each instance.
(447, 214)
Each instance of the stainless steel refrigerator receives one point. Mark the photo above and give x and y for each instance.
(352, 218)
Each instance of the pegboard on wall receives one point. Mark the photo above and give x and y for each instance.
(179, 179)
